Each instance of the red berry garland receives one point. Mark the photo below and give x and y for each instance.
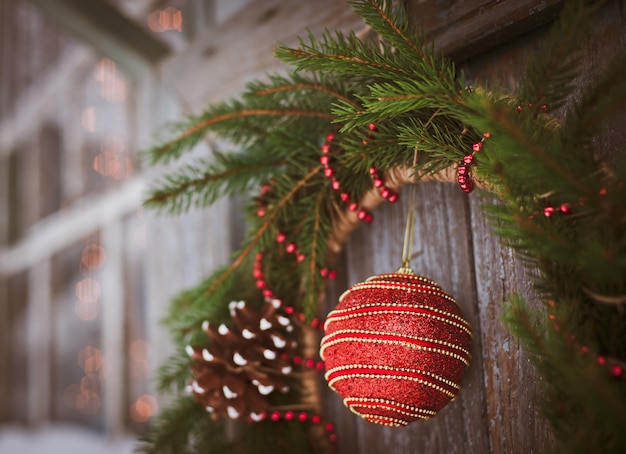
(463, 171)
(325, 159)
(395, 348)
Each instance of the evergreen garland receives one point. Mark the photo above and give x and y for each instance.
(562, 208)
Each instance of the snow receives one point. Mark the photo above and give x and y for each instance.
(61, 440)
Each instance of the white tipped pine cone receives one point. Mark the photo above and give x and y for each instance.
(243, 364)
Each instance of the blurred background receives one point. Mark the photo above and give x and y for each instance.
(85, 273)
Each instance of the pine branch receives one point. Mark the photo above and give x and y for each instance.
(312, 282)
(343, 55)
(174, 374)
(193, 134)
(201, 183)
(260, 231)
(174, 429)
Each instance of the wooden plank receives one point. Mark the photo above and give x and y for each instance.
(242, 48)
(510, 381)
(465, 29)
(442, 235)
(113, 332)
(109, 32)
(38, 343)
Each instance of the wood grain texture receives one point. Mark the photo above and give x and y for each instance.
(468, 28)
(443, 238)
(461, 252)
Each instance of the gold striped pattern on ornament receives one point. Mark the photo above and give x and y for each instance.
(344, 314)
(387, 405)
(396, 276)
(395, 373)
(404, 340)
(401, 287)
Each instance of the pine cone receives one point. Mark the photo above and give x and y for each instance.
(242, 365)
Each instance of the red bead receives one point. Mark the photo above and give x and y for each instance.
(289, 415)
(601, 360)
(324, 159)
(289, 310)
(335, 185)
(584, 349)
(372, 127)
(324, 272)
(373, 171)
(463, 179)
(368, 219)
(544, 107)
(364, 142)
(300, 258)
(257, 274)
(316, 419)
(345, 196)
(310, 363)
(565, 208)
(267, 293)
(325, 148)
(297, 360)
(468, 159)
(329, 427)
(330, 137)
(378, 182)
(303, 416)
(265, 188)
(260, 212)
(260, 284)
(486, 135)
(320, 366)
(461, 170)
(477, 146)
(547, 211)
(603, 191)
(362, 214)
(353, 206)
(315, 322)
(290, 248)
(616, 371)
(385, 193)
(328, 172)
(393, 198)
(332, 275)
(519, 108)
(332, 438)
(468, 187)
(280, 238)
(275, 416)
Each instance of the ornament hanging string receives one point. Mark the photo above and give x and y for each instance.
(407, 248)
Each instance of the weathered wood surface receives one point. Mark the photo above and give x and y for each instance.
(495, 411)
(469, 28)
(445, 242)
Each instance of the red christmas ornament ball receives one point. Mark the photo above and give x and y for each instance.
(396, 347)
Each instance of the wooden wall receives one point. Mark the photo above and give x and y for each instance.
(495, 411)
